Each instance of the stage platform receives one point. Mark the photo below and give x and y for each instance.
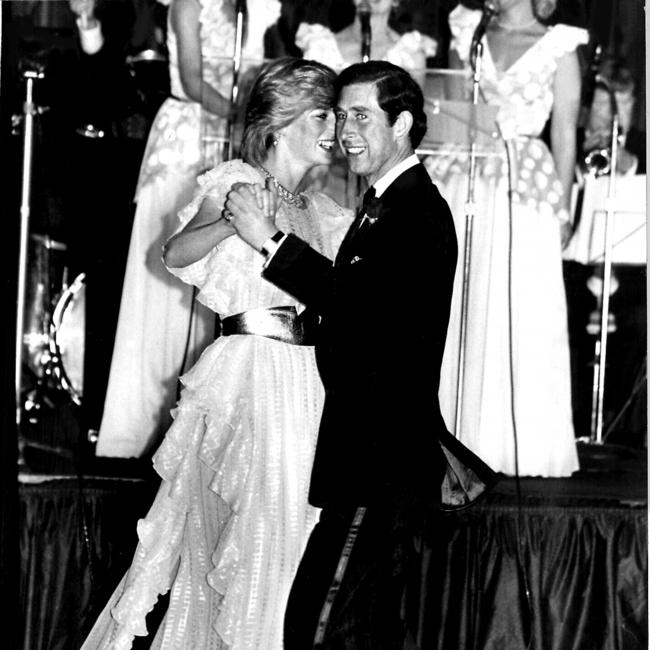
(559, 563)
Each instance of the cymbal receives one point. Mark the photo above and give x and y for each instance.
(48, 242)
(146, 55)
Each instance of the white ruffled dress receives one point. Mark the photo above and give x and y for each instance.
(231, 518)
(319, 43)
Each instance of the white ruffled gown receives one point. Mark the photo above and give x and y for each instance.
(319, 43)
(231, 518)
(159, 325)
(531, 313)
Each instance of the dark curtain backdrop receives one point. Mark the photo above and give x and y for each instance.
(585, 568)
(76, 541)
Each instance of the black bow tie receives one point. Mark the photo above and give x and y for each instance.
(370, 205)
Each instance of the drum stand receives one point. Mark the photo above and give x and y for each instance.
(40, 337)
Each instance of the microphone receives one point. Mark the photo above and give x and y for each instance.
(489, 10)
(602, 80)
(240, 7)
(363, 11)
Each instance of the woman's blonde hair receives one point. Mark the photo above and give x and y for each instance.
(284, 89)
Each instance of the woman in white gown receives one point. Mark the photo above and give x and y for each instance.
(409, 50)
(160, 326)
(231, 518)
(516, 400)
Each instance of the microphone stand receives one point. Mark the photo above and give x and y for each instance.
(470, 211)
(29, 110)
(236, 69)
(363, 11)
(30, 74)
(600, 357)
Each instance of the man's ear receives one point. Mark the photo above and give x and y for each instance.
(402, 125)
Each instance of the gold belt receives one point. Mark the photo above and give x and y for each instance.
(279, 323)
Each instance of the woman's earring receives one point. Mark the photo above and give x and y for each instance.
(543, 9)
(275, 140)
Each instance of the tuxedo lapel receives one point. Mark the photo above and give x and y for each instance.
(366, 215)
(343, 256)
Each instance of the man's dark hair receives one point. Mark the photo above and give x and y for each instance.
(397, 91)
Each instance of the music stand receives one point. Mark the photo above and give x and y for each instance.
(457, 127)
(611, 230)
(629, 240)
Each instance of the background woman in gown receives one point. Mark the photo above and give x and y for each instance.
(160, 328)
(231, 518)
(409, 50)
(516, 403)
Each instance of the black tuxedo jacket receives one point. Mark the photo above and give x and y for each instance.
(384, 308)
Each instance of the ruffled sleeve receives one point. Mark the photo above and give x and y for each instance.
(333, 221)
(318, 43)
(411, 50)
(216, 183)
(463, 23)
(562, 39)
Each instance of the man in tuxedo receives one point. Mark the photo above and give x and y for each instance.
(383, 307)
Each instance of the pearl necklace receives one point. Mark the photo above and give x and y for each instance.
(516, 28)
(286, 195)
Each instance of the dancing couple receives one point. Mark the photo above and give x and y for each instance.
(308, 446)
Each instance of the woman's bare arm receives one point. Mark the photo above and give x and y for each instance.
(564, 121)
(185, 22)
(206, 229)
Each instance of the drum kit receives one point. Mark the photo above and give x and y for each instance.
(53, 339)
(51, 310)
